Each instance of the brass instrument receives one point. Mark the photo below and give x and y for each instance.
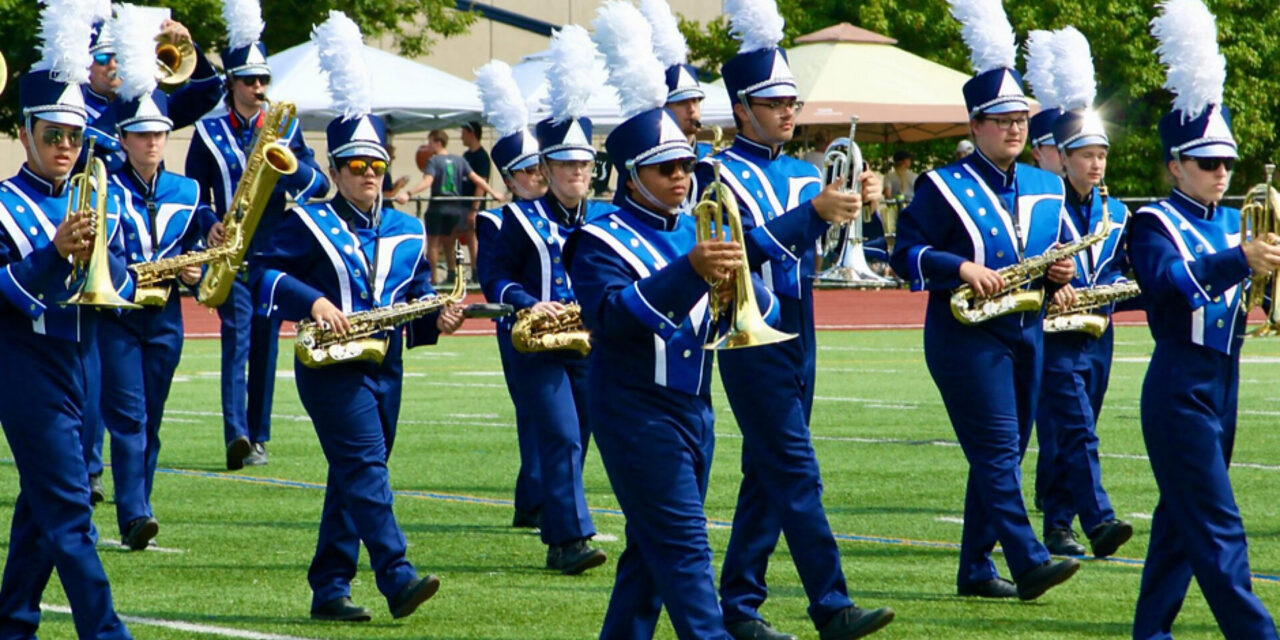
(843, 162)
(1077, 317)
(90, 193)
(1257, 219)
(969, 308)
(263, 167)
(747, 327)
(536, 332)
(175, 61)
(152, 279)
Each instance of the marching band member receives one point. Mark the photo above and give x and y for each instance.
(515, 154)
(684, 93)
(160, 219)
(1077, 366)
(216, 160)
(770, 388)
(643, 285)
(46, 344)
(328, 260)
(1192, 263)
(969, 218)
(529, 273)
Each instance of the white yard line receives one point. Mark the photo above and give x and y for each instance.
(188, 627)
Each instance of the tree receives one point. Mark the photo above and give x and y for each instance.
(1130, 77)
(287, 24)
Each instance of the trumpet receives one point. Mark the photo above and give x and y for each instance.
(89, 191)
(175, 60)
(843, 162)
(1257, 219)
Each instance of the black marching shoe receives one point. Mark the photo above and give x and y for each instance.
(527, 519)
(574, 558)
(140, 533)
(1032, 584)
(1107, 537)
(97, 493)
(993, 588)
(1062, 542)
(341, 610)
(755, 630)
(236, 451)
(257, 456)
(414, 594)
(854, 622)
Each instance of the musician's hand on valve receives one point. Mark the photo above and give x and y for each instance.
(450, 319)
(836, 206)
(175, 29)
(1062, 271)
(554, 309)
(725, 291)
(73, 236)
(1262, 254)
(872, 190)
(217, 235)
(715, 260)
(329, 316)
(984, 281)
(191, 274)
(1065, 297)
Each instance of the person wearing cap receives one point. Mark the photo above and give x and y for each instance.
(353, 254)
(684, 92)
(529, 271)
(968, 219)
(43, 383)
(1193, 262)
(785, 209)
(216, 160)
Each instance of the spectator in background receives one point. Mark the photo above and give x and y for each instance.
(389, 188)
(445, 214)
(963, 149)
(478, 159)
(818, 153)
(901, 180)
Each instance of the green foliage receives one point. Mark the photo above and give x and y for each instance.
(1130, 77)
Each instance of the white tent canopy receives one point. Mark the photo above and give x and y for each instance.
(410, 96)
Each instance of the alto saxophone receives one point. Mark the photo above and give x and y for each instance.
(535, 332)
(263, 167)
(152, 279)
(1077, 317)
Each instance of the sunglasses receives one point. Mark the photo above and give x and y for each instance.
(249, 81)
(53, 137)
(668, 168)
(358, 166)
(1212, 164)
(103, 58)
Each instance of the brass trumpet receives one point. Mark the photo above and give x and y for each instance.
(1257, 219)
(89, 190)
(175, 61)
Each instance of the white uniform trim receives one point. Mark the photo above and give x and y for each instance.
(14, 230)
(339, 266)
(975, 235)
(1005, 216)
(544, 258)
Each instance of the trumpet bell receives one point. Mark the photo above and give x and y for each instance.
(749, 330)
(175, 61)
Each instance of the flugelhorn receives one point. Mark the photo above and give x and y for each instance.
(843, 163)
(1257, 219)
(175, 60)
(89, 193)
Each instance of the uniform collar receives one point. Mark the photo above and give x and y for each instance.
(240, 122)
(994, 175)
(40, 185)
(754, 149)
(1188, 204)
(561, 213)
(95, 96)
(352, 214)
(651, 217)
(1076, 200)
(147, 190)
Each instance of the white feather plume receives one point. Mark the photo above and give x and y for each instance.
(625, 38)
(668, 43)
(1040, 68)
(1073, 67)
(986, 30)
(101, 9)
(504, 107)
(340, 47)
(755, 23)
(134, 31)
(571, 73)
(1197, 71)
(65, 31)
(244, 22)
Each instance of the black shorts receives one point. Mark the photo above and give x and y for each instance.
(444, 223)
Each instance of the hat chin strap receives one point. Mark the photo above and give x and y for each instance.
(635, 177)
(751, 115)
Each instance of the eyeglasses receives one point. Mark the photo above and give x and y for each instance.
(249, 81)
(779, 105)
(103, 59)
(668, 168)
(1212, 164)
(358, 166)
(54, 136)
(1004, 124)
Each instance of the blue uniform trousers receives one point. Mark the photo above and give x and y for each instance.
(553, 389)
(140, 353)
(657, 451)
(247, 338)
(354, 408)
(1189, 425)
(989, 386)
(528, 498)
(770, 389)
(42, 395)
(1076, 371)
(92, 430)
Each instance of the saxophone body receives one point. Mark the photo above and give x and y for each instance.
(535, 332)
(153, 280)
(1078, 317)
(269, 160)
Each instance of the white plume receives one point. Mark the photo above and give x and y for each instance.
(570, 75)
(101, 9)
(626, 40)
(65, 31)
(986, 30)
(1188, 37)
(504, 107)
(244, 22)
(134, 32)
(1040, 68)
(755, 23)
(668, 43)
(1073, 67)
(340, 48)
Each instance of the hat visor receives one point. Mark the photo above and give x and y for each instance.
(679, 152)
(62, 117)
(1012, 105)
(526, 162)
(686, 94)
(571, 155)
(366, 150)
(147, 126)
(780, 90)
(1088, 141)
(251, 70)
(1212, 150)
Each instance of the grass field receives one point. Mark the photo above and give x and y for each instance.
(234, 547)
